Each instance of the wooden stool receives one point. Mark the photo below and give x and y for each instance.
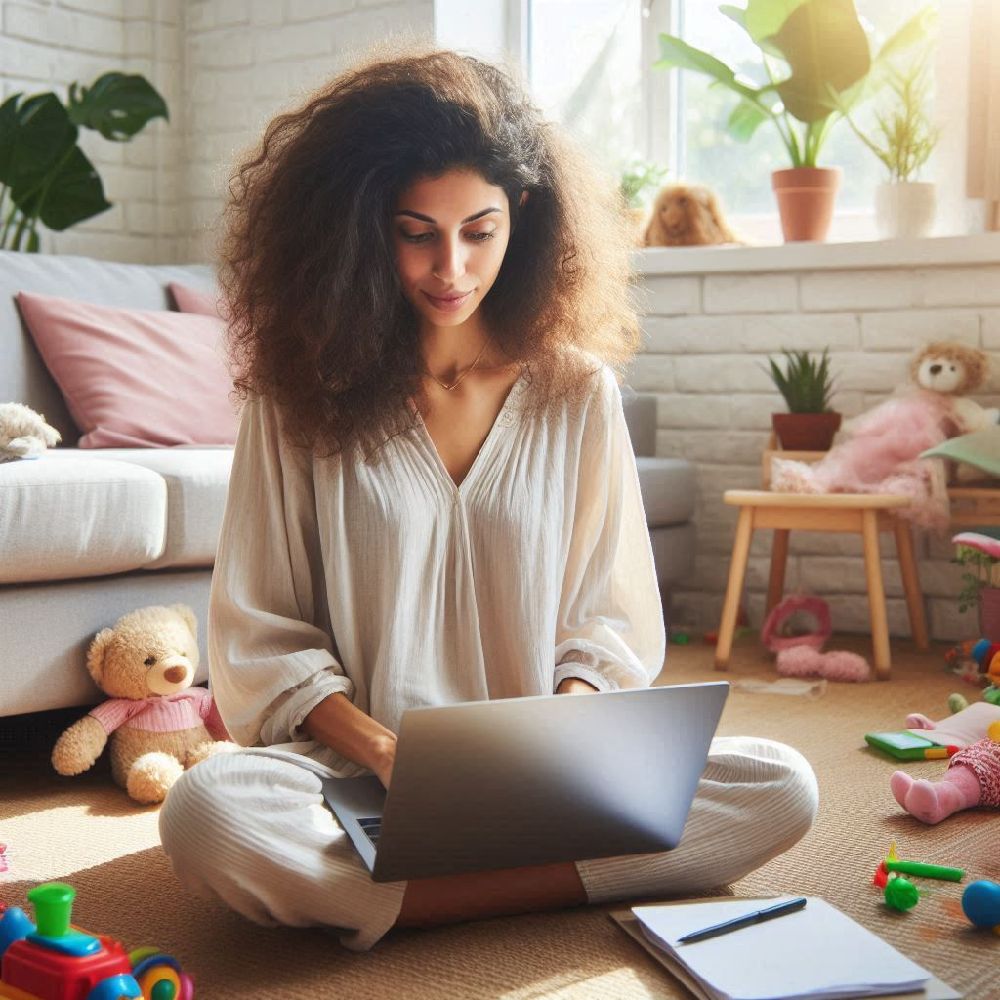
(859, 513)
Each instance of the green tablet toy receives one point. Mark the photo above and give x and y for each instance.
(908, 746)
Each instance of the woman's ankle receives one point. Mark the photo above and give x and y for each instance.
(449, 899)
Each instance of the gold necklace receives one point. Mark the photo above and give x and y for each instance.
(462, 376)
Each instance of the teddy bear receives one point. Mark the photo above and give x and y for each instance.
(156, 723)
(687, 215)
(24, 433)
(882, 448)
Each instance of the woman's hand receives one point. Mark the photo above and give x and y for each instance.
(343, 727)
(384, 759)
(573, 685)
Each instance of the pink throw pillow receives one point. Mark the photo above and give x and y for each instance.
(192, 300)
(134, 378)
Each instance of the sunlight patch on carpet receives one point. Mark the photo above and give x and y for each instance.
(55, 843)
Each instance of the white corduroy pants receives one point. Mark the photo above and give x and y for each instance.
(252, 829)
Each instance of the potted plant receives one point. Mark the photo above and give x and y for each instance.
(979, 554)
(806, 385)
(815, 65)
(637, 179)
(903, 140)
(45, 178)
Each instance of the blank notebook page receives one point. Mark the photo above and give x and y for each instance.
(815, 952)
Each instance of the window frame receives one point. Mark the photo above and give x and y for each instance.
(663, 98)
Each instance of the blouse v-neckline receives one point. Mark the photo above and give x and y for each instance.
(503, 418)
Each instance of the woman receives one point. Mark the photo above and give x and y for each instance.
(433, 496)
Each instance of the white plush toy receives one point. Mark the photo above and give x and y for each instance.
(24, 433)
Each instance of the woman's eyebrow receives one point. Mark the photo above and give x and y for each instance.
(427, 218)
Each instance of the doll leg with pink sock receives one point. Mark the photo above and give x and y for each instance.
(972, 779)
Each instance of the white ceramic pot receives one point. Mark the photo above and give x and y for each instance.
(904, 209)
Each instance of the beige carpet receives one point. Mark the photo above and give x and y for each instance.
(86, 831)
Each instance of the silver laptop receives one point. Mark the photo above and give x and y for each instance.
(529, 781)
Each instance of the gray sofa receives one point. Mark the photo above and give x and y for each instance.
(86, 535)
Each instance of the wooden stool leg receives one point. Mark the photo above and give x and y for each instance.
(779, 560)
(876, 594)
(737, 570)
(911, 583)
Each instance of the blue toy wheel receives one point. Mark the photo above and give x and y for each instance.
(115, 988)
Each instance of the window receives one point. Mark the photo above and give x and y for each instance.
(589, 66)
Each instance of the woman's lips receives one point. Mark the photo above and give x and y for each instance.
(449, 304)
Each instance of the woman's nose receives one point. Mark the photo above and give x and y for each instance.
(450, 262)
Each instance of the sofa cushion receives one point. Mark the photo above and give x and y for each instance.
(23, 377)
(135, 378)
(197, 481)
(668, 489)
(68, 519)
(194, 300)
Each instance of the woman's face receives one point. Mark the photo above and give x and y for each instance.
(450, 234)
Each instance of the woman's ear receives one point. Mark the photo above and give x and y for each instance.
(524, 198)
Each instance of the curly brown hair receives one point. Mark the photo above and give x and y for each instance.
(317, 318)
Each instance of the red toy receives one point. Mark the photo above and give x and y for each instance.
(56, 961)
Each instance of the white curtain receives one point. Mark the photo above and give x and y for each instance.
(983, 172)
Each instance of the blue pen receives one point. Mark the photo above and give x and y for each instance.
(747, 920)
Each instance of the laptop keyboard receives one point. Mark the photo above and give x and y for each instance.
(371, 826)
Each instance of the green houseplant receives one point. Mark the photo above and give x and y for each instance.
(806, 386)
(637, 179)
(815, 65)
(903, 138)
(45, 178)
(976, 553)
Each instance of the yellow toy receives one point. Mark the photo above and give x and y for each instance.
(156, 722)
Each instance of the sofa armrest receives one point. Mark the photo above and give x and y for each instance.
(640, 418)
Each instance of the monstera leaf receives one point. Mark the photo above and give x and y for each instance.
(815, 57)
(116, 105)
(43, 172)
(826, 48)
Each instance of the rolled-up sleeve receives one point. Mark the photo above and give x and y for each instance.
(271, 650)
(610, 625)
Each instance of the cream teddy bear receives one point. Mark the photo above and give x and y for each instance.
(156, 722)
(24, 433)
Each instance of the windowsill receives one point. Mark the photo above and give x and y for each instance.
(940, 251)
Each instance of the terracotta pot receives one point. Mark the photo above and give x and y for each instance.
(989, 613)
(805, 431)
(805, 200)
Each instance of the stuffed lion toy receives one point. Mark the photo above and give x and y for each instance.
(687, 215)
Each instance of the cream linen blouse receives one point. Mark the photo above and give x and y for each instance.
(382, 579)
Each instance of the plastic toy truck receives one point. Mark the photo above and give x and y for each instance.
(56, 961)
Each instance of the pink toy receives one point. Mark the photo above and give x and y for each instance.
(771, 636)
(881, 453)
(801, 655)
(837, 665)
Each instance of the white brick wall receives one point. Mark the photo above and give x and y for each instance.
(225, 67)
(707, 338)
(248, 60)
(48, 44)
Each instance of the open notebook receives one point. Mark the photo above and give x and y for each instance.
(816, 952)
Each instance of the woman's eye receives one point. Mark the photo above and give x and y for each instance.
(481, 237)
(416, 237)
